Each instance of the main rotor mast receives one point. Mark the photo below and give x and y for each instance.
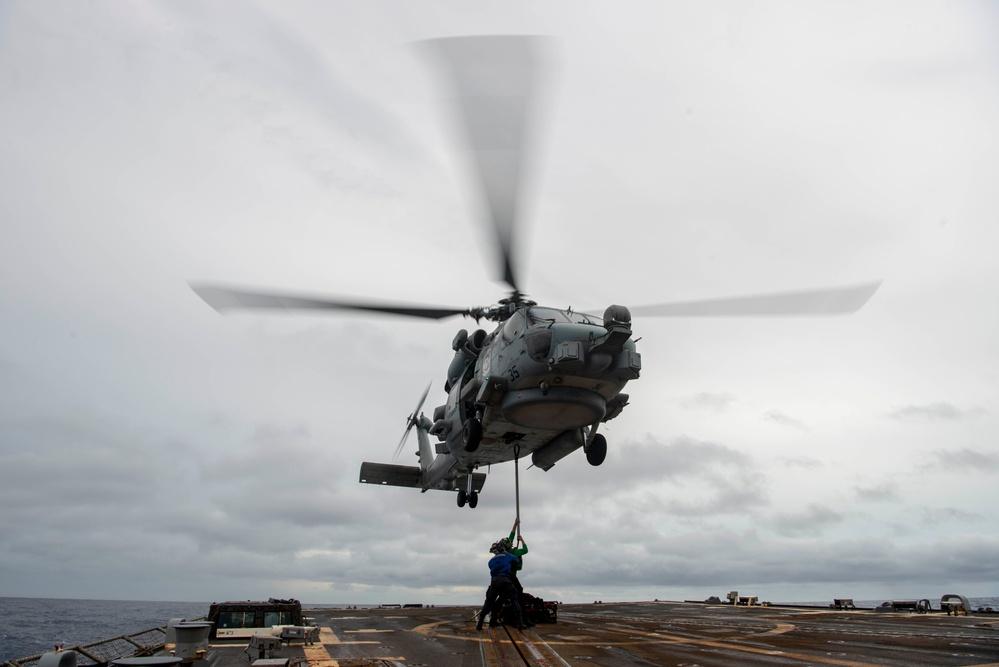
(504, 309)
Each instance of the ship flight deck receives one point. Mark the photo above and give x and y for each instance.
(644, 633)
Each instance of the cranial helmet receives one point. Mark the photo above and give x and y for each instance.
(505, 543)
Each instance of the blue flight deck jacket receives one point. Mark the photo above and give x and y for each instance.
(502, 564)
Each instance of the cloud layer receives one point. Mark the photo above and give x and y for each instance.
(152, 449)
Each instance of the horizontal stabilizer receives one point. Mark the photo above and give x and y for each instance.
(411, 477)
(391, 474)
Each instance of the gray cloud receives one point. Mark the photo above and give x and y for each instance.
(936, 411)
(780, 418)
(699, 478)
(652, 460)
(711, 402)
(887, 492)
(948, 516)
(813, 520)
(962, 460)
(737, 497)
(801, 462)
(704, 560)
(687, 456)
(153, 449)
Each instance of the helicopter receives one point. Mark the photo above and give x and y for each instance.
(542, 382)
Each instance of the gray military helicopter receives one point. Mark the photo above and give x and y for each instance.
(544, 379)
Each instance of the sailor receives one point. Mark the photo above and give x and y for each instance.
(501, 589)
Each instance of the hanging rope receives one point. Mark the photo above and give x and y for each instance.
(516, 478)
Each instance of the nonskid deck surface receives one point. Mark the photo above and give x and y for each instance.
(649, 633)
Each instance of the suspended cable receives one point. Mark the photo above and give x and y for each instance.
(516, 478)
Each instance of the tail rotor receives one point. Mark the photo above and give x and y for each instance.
(412, 420)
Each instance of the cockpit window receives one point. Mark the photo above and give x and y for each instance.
(542, 314)
(586, 318)
(513, 326)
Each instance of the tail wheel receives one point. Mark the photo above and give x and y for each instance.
(462, 498)
(473, 499)
(471, 434)
(597, 451)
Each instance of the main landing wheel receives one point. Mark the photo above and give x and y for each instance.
(597, 451)
(462, 498)
(471, 434)
(473, 499)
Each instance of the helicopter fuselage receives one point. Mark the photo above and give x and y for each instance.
(536, 386)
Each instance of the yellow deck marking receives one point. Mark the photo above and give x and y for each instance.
(779, 630)
(316, 653)
(364, 630)
(327, 636)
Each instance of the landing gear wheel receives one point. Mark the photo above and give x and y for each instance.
(462, 498)
(471, 434)
(473, 499)
(597, 451)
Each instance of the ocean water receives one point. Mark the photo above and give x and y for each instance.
(34, 625)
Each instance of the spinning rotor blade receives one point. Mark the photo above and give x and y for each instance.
(830, 301)
(411, 421)
(223, 298)
(492, 80)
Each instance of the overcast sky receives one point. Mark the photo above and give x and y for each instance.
(151, 448)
